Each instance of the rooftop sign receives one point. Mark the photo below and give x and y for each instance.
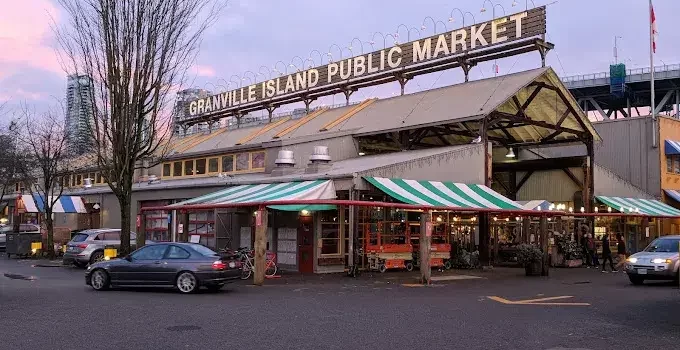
(501, 30)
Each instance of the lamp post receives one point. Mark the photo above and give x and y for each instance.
(526, 4)
(409, 33)
(462, 15)
(396, 42)
(493, 16)
(320, 56)
(396, 34)
(383, 37)
(330, 53)
(281, 72)
(361, 44)
(269, 71)
(239, 83)
(302, 62)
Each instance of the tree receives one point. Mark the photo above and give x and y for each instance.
(10, 159)
(43, 142)
(136, 52)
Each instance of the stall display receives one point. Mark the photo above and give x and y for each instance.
(440, 248)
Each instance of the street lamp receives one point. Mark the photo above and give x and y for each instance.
(281, 72)
(330, 53)
(320, 56)
(239, 83)
(462, 15)
(526, 4)
(383, 37)
(351, 43)
(301, 61)
(396, 34)
(396, 42)
(269, 71)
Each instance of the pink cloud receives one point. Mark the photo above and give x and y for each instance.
(203, 71)
(24, 38)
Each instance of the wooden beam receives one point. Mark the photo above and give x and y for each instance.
(541, 123)
(524, 179)
(559, 123)
(573, 178)
(539, 164)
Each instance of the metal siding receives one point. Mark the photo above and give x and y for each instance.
(551, 185)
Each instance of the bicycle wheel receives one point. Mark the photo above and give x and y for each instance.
(271, 269)
(246, 272)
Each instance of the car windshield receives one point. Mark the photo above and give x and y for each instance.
(79, 238)
(664, 245)
(205, 251)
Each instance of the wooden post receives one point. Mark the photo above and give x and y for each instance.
(526, 227)
(425, 247)
(543, 223)
(484, 240)
(184, 234)
(260, 245)
(141, 232)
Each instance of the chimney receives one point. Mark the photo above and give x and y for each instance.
(285, 163)
(319, 161)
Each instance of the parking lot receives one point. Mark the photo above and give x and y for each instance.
(50, 307)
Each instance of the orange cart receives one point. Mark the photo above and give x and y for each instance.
(440, 248)
(388, 246)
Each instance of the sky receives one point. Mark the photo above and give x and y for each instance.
(250, 34)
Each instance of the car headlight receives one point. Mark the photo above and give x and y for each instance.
(661, 261)
(632, 260)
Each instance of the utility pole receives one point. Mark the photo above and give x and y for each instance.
(616, 49)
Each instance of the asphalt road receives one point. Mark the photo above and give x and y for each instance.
(53, 309)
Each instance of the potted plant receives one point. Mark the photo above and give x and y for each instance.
(571, 252)
(529, 256)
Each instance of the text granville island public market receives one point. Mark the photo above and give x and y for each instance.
(438, 46)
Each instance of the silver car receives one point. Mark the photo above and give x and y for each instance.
(659, 261)
(87, 247)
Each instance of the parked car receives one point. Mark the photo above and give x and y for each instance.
(184, 266)
(87, 246)
(23, 228)
(659, 261)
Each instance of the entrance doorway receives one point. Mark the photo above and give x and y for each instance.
(306, 244)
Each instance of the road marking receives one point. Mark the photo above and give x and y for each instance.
(455, 278)
(539, 301)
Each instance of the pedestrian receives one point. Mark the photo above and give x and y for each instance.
(607, 254)
(590, 245)
(620, 251)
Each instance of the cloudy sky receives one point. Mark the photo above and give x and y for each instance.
(255, 33)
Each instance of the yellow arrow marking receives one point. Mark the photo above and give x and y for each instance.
(539, 301)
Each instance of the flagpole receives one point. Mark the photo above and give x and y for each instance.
(651, 67)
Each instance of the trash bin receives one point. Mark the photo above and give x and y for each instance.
(19, 244)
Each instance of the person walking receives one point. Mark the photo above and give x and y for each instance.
(606, 254)
(590, 243)
(620, 251)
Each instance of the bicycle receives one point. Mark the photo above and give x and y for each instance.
(248, 260)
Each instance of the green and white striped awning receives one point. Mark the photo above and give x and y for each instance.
(443, 194)
(636, 205)
(304, 190)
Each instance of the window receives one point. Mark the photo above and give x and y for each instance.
(175, 252)
(150, 252)
(330, 233)
(177, 169)
(99, 178)
(669, 164)
(213, 165)
(167, 167)
(92, 176)
(79, 180)
(258, 160)
(81, 237)
(676, 164)
(242, 161)
(112, 236)
(228, 164)
(200, 166)
(205, 251)
(188, 167)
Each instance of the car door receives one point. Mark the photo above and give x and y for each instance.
(141, 265)
(176, 260)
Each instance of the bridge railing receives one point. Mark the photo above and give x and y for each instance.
(629, 72)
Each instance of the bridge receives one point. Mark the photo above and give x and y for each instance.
(594, 92)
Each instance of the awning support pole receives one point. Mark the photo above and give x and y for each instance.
(260, 245)
(543, 223)
(351, 234)
(425, 247)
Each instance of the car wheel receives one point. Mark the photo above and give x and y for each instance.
(99, 280)
(382, 268)
(96, 257)
(186, 282)
(636, 280)
(409, 266)
(215, 287)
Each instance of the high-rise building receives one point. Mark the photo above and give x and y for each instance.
(183, 98)
(79, 114)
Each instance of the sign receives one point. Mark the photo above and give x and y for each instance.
(180, 228)
(258, 218)
(428, 229)
(457, 42)
(139, 221)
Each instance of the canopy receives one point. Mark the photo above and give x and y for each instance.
(637, 205)
(671, 147)
(65, 204)
(535, 204)
(435, 193)
(675, 194)
(304, 190)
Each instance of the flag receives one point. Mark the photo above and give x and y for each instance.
(652, 21)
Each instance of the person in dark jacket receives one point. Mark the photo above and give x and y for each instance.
(607, 254)
(621, 251)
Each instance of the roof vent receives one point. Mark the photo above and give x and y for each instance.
(153, 179)
(286, 159)
(320, 155)
(87, 182)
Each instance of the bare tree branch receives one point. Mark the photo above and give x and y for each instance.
(136, 52)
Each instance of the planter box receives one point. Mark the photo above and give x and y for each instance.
(533, 269)
(573, 263)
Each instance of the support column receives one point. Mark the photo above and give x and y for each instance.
(402, 82)
(628, 109)
(425, 247)
(484, 238)
(348, 93)
(141, 231)
(543, 224)
(526, 227)
(270, 110)
(260, 245)
(351, 233)
(308, 101)
(184, 233)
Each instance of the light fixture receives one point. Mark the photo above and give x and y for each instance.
(583, 210)
(305, 212)
(637, 210)
(609, 209)
(361, 154)
(630, 209)
(483, 9)
(451, 19)
(495, 218)
(622, 210)
(423, 27)
(517, 218)
(571, 210)
(597, 210)
(439, 219)
(507, 219)
(96, 206)
(474, 219)
(511, 153)
(514, 3)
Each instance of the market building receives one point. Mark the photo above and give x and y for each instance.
(502, 145)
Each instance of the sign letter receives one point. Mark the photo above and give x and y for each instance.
(192, 108)
(391, 62)
(518, 23)
(498, 27)
(424, 52)
(332, 71)
(312, 78)
(442, 46)
(476, 35)
(359, 66)
(458, 37)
